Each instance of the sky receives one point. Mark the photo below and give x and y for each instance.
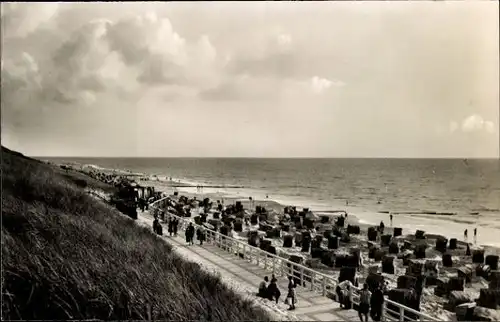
(251, 79)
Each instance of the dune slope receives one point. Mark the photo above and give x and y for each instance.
(67, 256)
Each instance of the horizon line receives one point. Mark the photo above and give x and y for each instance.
(269, 158)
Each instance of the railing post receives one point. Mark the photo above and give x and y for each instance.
(301, 275)
(257, 257)
(274, 265)
(401, 313)
(323, 286)
(384, 312)
(265, 261)
(245, 252)
(313, 278)
(350, 295)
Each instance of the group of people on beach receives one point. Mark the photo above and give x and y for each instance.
(269, 290)
(466, 237)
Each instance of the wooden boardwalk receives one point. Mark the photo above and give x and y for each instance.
(311, 306)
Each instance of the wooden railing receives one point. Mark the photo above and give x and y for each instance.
(316, 281)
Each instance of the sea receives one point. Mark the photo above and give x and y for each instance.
(443, 196)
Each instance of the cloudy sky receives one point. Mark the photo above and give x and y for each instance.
(266, 79)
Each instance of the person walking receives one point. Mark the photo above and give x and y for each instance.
(170, 226)
(290, 298)
(201, 235)
(390, 217)
(190, 234)
(475, 236)
(273, 291)
(376, 303)
(156, 222)
(465, 235)
(176, 226)
(364, 303)
(343, 294)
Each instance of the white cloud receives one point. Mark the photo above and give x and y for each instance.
(103, 55)
(476, 123)
(319, 84)
(284, 39)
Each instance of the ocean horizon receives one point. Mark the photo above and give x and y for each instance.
(264, 158)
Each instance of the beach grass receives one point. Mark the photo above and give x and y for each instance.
(66, 255)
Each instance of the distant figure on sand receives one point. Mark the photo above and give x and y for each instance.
(347, 202)
(381, 227)
(465, 235)
(475, 235)
(390, 217)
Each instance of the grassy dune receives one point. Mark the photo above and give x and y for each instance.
(67, 256)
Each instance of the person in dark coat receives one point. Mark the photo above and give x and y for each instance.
(190, 234)
(201, 235)
(364, 303)
(175, 226)
(159, 229)
(381, 227)
(376, 304)
(142, 204)
(263, 288)
(291, 293)
(156, 222)
(170, 226)
(273, 291)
